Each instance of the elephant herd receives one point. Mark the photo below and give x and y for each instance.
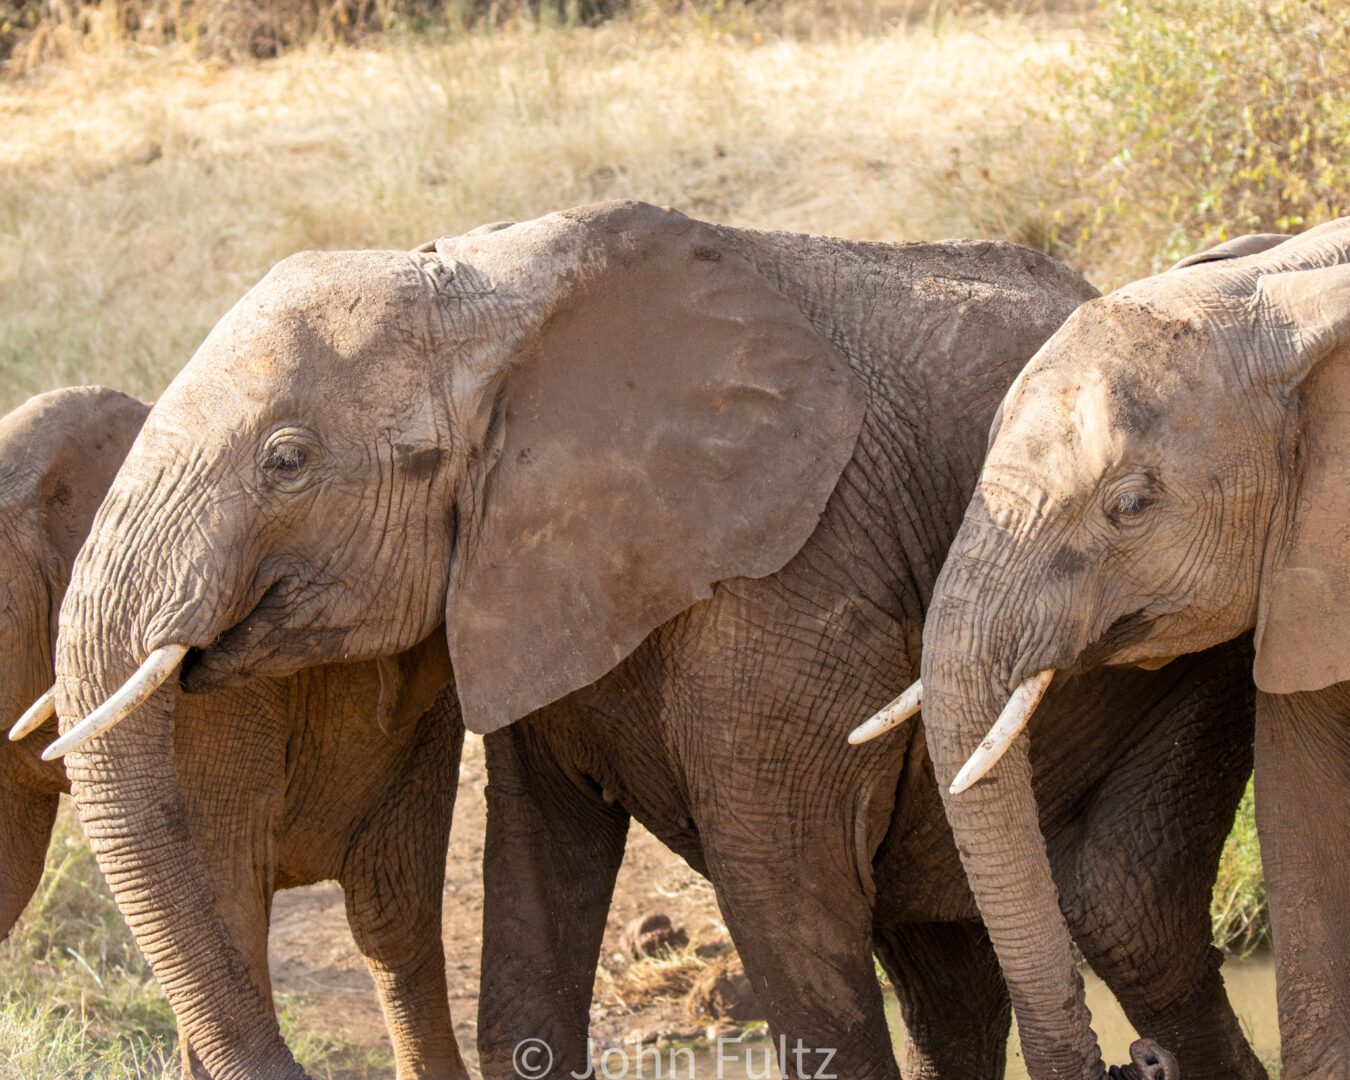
(665, 510)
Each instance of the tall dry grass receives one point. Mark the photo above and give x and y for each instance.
(141, 195)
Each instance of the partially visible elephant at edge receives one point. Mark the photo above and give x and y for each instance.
(323, 775)
(677, 493)
(1170, 471)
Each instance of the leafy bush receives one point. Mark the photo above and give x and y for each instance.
(1239, 917)
(1198, 120)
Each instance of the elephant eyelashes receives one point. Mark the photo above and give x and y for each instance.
(287, 458)
(1129, 503)
(1128, 500)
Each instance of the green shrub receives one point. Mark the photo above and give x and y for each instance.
(1197, 120)
(1239, 917)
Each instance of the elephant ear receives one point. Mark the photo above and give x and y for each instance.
(674, 421)
(1303, 622)
(1233, 249)
(70, 443)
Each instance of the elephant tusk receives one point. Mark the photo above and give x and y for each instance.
(1005, 730)
(149, 677)
(893, 715)
(38, 714)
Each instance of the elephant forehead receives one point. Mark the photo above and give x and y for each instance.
(319, 329)
(1122, 371)
(317, 307)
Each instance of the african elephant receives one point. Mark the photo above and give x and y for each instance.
(269, 802)
(1169, 472)
(677, 494)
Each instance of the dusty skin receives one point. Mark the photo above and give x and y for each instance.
(1169, 472)
(739, 455)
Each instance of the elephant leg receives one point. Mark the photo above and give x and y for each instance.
(552, 853)
(1303, 815)
(803, 928)
(1138, 900)
(393, 879)
(952, 997)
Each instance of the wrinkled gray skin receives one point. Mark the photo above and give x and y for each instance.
(598, 446)
(285, 781)
(1170, 471)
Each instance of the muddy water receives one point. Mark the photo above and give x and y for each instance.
(1251, 988)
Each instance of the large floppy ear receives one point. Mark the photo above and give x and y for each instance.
(1233, 249)
(1303, 623)
(674, 421)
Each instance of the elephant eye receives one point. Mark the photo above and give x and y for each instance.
(1129, 499)
(1129, 503)
(288, 457)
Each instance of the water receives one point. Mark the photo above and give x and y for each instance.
(1251, 989)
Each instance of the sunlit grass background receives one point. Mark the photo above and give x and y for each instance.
(143, 189)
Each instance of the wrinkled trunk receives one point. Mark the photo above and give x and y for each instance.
(26, 819)
(130, 804)
(973, 658)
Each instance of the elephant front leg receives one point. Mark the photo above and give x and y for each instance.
(952, 997)
(394, 878)
(1138, 895)
(803, 928)
(1303, 817)
(552, 854)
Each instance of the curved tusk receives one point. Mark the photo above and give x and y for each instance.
(1005, 730)
(149, 677)
(893, 715)
(38, 714)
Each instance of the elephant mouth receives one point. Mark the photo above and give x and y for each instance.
(268, 642)
(1126, 632)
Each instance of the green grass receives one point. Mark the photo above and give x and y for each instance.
(77, 999)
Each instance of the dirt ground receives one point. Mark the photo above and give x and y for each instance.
(312, 953)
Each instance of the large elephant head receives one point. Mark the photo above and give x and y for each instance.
(58, 455)
(549, 437)
(1167, 472)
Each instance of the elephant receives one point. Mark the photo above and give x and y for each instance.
(1167, 473)
(675, 496)
(269, 804)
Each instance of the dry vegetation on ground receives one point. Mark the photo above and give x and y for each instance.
(141, 195)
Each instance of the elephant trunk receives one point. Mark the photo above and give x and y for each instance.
(26, 818)
(973, 658)
(127, 789)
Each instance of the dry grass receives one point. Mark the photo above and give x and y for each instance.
(140, 195)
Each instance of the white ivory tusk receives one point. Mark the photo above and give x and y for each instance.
(149, 677)
(1005, 730)
(38, 714)
(893, 715)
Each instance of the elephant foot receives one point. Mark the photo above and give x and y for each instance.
(1149, 1061)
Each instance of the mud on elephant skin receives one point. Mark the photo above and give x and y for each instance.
(1169, 472)
(270, 801)
(675, 484)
